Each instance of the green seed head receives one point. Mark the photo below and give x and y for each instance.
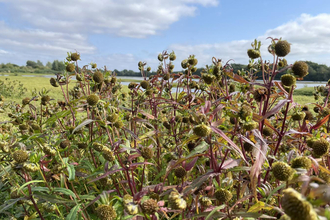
(267, 131)
(54, 82)
(172, 56)
(288, 80)
(145, 84)
(320, 147)
(98, 77)
(282, 48)
(92, 99)
(184, 64)
(75, 56)
(296, 207)
(223, 195)
(202, 130)
(249, 126)
(118, 124)
(30, 167)
(300, 69)
(253, 54)
(232, 88)
(82, 145)
(160, 57)
(301, 162)
(282, 171)
(248, 147)
(65, 144)
(113, 117)
(23, 127)
(20, 156)
(108, 154)
(208, 78)
(298, 116)
(106, 212)
(176, 201)
(70, 67)
(205, 201)
(98, 147)
(180, 172)
(245, 112)
(147, 153)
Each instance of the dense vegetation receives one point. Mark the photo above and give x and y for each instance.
(215, 146)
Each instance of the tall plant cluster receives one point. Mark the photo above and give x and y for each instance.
(174, 146)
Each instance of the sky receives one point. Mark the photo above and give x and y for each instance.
(120, 33)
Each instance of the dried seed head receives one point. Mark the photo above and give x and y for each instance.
(20, 156)
(49, 150)
(298, 116)
(232, 88)
(166, 76)
(288, 80)
(45, 98)
(296, 207)
(180, 172)
(150, 206)
(172, 56)
(320, 147)
(202, 130)
(301, 162)
(282, 171)
(147, 153)
(300, 69)
(282, 48)
(75, 56)
(118, 124)
(92, 99)
(106, 212)
(184, 64)
(253, 54)
(167, 125)
(23, 127)
(249, 126)
(160, 57)
(82, 145)
(176, 201)
(70, 67)
(223, 195)
(309, 116)
(98, 77)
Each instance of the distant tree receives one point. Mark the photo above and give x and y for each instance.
(58, 65)
(49, 65)
(39, 63)
(31, 63)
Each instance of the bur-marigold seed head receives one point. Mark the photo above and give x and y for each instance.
(248, 147)
(23, 127)
(160, 57)
(202, 130)
(253, 54)
(301, 162)
(98, 147)
(70, 67)
(267, 131)
(300, 69)
(205, 201)
(150, 206)
(245, 112)
(113, 117)
(75, 56)
(296, 207)
(30, 167)
(108, 154)
(98, 77)
(309, 116)
(167, 125)
(45, 98)
(232, 88)
(176, 201)
(191, 146)
(249, 126)
(223, 195)
(298, 116)
(148, 68)
(26, 101)
(65, 144)
(53, 82)
(82, 145)
(320, 147)
(106, 212)
(20, 156)
(288, 80)
(184, 64)
(282, 48)
(118, 124)
(166, 76)
(147, 153)
(92, 99)
(145, 84)
(180, 172)
(172, 56)
(282, 171)
(208, 78)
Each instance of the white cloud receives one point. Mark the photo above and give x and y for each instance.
(309, 37)
(129, 18)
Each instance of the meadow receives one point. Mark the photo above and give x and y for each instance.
(172, 146)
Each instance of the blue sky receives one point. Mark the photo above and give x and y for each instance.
(120, 33)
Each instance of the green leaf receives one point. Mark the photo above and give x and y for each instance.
(25, 184)
(199, 149)
(58, 115)
(73, 213)
(40, 189)
(216, 209)
(86, 122)
(275, 190)
(72, 172)
(9, 203)
(259, 206)
(64, 191)
(52, 198)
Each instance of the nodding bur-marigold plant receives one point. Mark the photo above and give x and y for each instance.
(197, 143)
